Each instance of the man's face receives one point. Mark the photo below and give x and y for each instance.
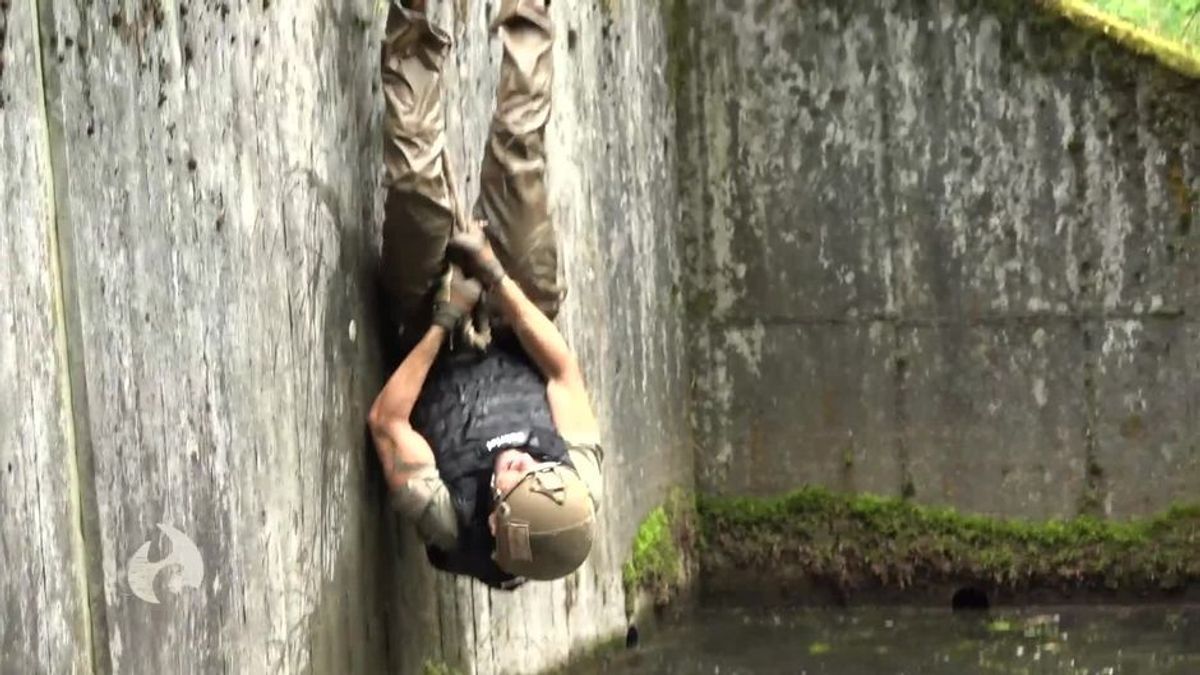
(509, 468)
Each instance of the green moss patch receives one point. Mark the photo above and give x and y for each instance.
(432, 667)
(846, 543)
(661, 560)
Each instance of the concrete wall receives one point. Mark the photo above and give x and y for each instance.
(43, 583)
(612, 180)
(197, 206)
(189, 240)
(940, 248)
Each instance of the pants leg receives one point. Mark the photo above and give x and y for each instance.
(419, 209)
(513, 196)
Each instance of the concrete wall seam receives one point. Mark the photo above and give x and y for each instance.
(78, 448)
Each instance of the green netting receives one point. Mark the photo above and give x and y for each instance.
(1177, 20)
(1168, 30)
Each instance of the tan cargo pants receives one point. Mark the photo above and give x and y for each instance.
(422, 209)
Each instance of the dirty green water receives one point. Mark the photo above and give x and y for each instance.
(869, 641)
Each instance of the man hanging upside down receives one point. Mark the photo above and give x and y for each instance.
(493, 454)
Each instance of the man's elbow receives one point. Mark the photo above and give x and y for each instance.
(568, 371)
(383, 416)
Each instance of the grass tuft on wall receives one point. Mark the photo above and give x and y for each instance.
(662, 556)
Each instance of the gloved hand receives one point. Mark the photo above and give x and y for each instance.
(455, 299)
(473, 253)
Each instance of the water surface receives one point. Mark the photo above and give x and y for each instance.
(1101, 640)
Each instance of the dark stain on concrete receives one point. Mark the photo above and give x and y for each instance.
(1133, 427)
(5, 5)
(133, 30)
(1185, 199)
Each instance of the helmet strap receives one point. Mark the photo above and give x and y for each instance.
(554, 488)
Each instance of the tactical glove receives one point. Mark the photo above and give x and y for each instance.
(473, 253)
(455, 300)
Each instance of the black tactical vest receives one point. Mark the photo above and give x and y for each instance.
(473, 405)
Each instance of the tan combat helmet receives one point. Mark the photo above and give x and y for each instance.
(544, 524)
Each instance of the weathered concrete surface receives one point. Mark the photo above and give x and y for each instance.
(43, 584)
(206, 351)
(213, 172)
(939, 248)
(611, 178)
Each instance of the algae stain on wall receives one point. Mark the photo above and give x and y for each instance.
(4, 11)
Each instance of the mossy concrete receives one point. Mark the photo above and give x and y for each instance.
(816, 545)
(813, 544)
(662, 561)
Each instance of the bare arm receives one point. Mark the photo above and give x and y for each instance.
(403, 451)
(565, 389)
